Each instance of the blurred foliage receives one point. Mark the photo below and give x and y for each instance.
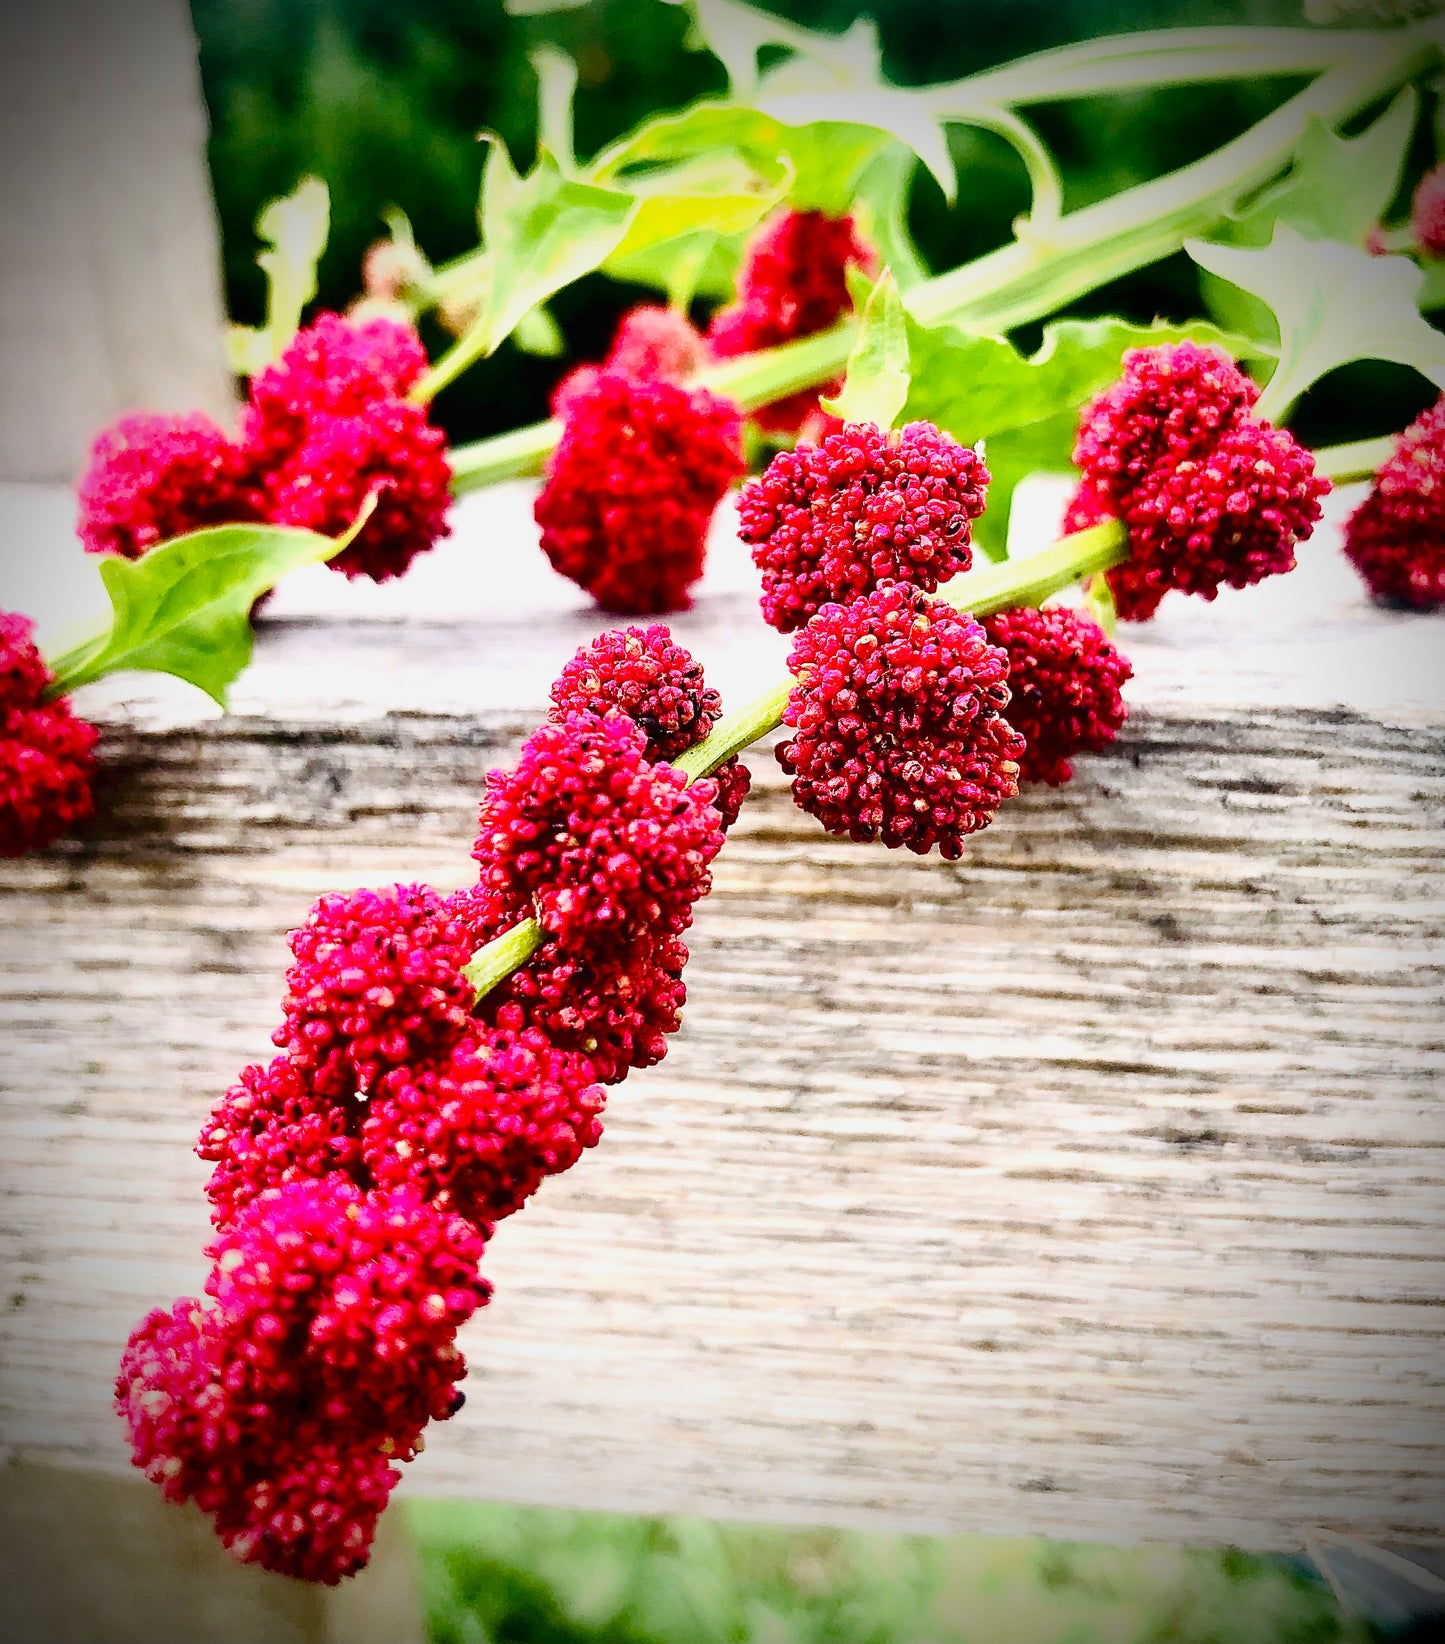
(508, 1575)
(384, 102)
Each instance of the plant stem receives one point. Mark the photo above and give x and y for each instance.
(992, 588)
(1357, 461)
(513, 455)
(1037, 273)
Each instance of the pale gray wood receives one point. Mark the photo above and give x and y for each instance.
(110, 295)
(1091, 1186)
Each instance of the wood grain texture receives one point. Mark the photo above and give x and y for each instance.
(1091, 1186)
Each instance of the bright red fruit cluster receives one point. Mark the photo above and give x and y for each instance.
(632, 486)
(865, 507)
(358, 1175)
(1211, 494)
(651, 345)
(1396, 538)
(1064, 681)
(898, 728)
(793, 282)
(325, 427)
(47, 759)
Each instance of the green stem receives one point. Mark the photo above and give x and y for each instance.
(502, 955)
(1357, 461)
(1039, 272)
(993, 588)
(513, 455)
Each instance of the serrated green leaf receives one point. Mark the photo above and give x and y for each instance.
(1025, 408)
(1339, 189)
(876, 385)
(541, 232)
(1333, 304)
(556, 86)
(184, 608)
(735, 33)
(295, 229)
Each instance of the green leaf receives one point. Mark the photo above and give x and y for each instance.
(877, 382)
(827, 159)
(541, 232)
(1339, 189)
(881, 206)
(295, 228)
(721, 194)
(1333, 304)
(1025, 408)
(538, 333)
(184, 608)
(735, 33)
(556, 85)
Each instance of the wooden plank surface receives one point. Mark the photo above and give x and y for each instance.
(1090, 1186)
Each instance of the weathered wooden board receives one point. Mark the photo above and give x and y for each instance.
(1091, 1186)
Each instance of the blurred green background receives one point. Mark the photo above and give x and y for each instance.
(385, 101)
(507, 1575)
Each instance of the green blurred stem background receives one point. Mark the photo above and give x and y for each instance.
(385, 102)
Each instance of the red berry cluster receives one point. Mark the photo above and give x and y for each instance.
(1210, 493)
(325, 427)
(793, 282)
(1396, 538)
(632, 486)
(358, 1175)
(651, 345)
(1064, 682)
(47, 759)
(657, 684)
(834, 521)
(898, 728)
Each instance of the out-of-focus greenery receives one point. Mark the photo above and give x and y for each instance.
(385, 101)
(506, 1575)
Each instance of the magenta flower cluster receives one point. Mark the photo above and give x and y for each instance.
(326, 426)
(358, 1176)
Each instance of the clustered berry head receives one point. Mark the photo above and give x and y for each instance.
(1211, 494)
(1395, 539)
(153, 477)
(833, 521)
(1427, 214)
(272, 1127)
(615, 1005)
(652, 344)
(593, 840)
(659, 685)
(376, 983)
(331, 425)
(1064, 680)
(898, 728)
(47, 758)
(632, 486)
(329, 1343)
(793, 282)
(479, 1131)
(325, 427)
